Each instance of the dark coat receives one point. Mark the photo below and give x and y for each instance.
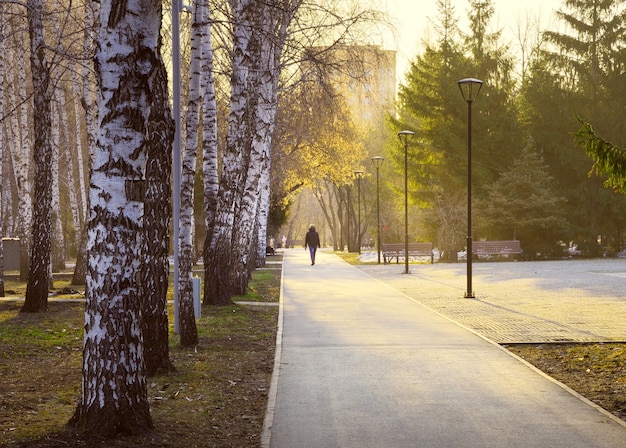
(312, 239)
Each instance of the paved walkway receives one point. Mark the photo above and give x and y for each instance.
(359, 364)
(522, 302)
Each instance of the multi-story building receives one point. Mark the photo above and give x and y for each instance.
(370, 84)
(365, 75)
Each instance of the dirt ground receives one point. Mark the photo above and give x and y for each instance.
(596, 371)
(216, 397)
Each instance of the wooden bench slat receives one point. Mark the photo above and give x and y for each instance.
(396, 250)
(505, 247)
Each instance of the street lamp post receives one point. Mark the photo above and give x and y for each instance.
(470, 87)
(358, 174)
(378, 161)
(405, 137)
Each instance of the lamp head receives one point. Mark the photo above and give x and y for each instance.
(405, 136)
(377, 161)
(469, 87)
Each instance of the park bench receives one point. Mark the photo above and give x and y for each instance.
(396, 250)
(486, 249)
(294, 243)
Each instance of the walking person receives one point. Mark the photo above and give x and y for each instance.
(312, 241)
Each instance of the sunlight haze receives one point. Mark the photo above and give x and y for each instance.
(414, 19)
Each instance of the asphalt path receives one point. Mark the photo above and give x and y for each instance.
(361, 364)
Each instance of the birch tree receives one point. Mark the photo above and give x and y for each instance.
(259, 33)
(20, 135)
(38, 277)
(2, 114)
(59, 139)
(75, 186)
(157, 213)
(114, 392)
(91, 23)
(188, 330)
(209, 127)
(219, 242)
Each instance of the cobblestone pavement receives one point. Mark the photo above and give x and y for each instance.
(522, 302)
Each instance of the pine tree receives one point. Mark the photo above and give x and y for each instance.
(580, 73)
(432, 106)
(523, 204)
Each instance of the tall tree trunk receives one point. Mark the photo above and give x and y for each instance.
(157, 213)
(74, 184)
(114, 393)
(264, 209)
(220, 264)
(2, 113)
(231, 249)
(246, 222)
(76, 164)
(209, 130)
(22, 149)
(187, 321)
(59, 134)
(91, 19)
(37, 286)
(276, 19)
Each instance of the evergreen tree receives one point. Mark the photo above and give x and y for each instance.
(432, 106)
(581, 74)
(497, 136)
(523, 205)
(610, 161)
(592, 52)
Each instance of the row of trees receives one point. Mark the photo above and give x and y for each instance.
(263, 128)
(115, 119)
(531, 178)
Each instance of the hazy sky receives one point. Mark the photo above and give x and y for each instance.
(413, 18)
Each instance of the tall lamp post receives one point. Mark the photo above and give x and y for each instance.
(358, 174)
(378, 161)
(470, 87)
(405, 137)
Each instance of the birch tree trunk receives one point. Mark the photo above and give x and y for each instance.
(264, 210)
(188, 330)
(74, 184)
(157, 213)
(60, 137)
(22, 149)
(278, 20)
(91, 24)
(245, 231)
(37, 287)
(3, 114)
(259, 30)
(220, 264)
(209, 123)
(77, 163)
(114, 393)
(58, 134)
